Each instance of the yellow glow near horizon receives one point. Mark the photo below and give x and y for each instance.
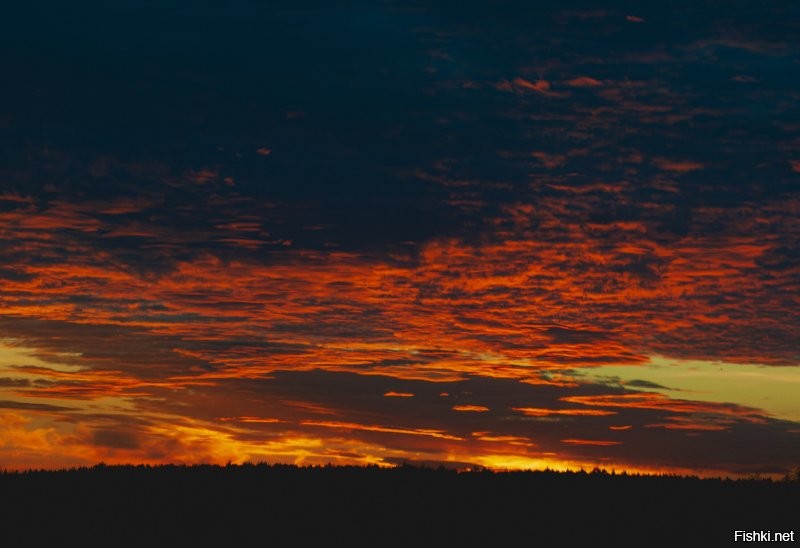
(772, 389)
(12, 354)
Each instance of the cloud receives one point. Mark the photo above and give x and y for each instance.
(679, 166)
(599, 443)
(379, 428)
(11, 382)
(508, 209)
(584, 82)
(7, 404)
(638, 383)
(711, 413)
(115, 439)
(541, 412)
(471, 408)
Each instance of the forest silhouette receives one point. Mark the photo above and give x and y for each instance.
(284, 505)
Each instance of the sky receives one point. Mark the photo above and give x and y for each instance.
(504, 234)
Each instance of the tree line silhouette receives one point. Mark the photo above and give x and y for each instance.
(284, 505)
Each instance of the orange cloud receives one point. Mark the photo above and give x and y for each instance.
(511, 440)
(471, 408)
(598, 443)
(539, 85)
(540, 412)
(684, 166)
(384, 429)
(584, 82)
(392, 394)
(257, 420)
(651, 400)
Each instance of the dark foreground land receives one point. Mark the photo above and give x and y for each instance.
(260, 505)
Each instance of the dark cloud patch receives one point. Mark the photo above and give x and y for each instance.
(101, 347)
(638, 383)
(115, 439)
(564, 335)
(8, 404)
(14, 275)
(7, 382)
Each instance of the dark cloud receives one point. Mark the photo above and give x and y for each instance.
(7, 382)
(6, 404)
(638, 383)
(115, 439)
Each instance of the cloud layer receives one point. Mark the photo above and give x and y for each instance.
(405, 231)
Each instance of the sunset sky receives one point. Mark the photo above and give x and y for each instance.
(507, 234)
